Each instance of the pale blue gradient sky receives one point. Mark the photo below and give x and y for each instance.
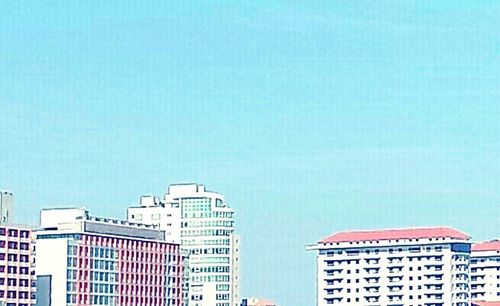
(311, 118)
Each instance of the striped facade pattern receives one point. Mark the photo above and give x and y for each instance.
(106, 270)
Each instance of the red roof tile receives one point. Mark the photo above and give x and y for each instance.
(392, 234)
(484, 303)
(493, 245)
(265, 303)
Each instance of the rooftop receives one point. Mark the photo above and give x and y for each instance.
(265, 303)
(493, 245)
(393, 234)
(484, 303)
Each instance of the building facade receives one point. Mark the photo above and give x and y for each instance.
(410, 267)
(485, 271)
(85, 260)
(204, 224)
(17, 277)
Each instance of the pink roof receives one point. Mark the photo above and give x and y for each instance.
(484, 303)
(265, 303)
(392, 234)
(493, 245)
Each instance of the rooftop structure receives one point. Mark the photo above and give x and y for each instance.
(6, 207)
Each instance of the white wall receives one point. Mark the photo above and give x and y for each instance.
(168, 219)
(51, 259)
(52, 217)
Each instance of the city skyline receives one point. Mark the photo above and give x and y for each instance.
(311, 118)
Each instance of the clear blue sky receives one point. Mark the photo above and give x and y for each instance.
(310, 116)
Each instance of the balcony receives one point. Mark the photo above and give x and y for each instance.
(372, 280)
(395, 279)
(372, 261)
(397, 288)
(372, 271)
(372, 289)
(395, 270)
(395, 298)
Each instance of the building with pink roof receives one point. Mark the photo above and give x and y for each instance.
(256, 302)
(394, 267)
(485, 273)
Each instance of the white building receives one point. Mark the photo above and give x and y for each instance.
(410, 267)
(485, 271)
(6, 207)
(166, 216)
(85, 260)
(204, 224)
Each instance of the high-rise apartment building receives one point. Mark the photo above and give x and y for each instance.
(84, 260)
(6, 207)
(485, 271)
(401, 267)
(204, 224)
(17, 273)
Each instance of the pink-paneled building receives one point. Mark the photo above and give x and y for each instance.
(82, 260)
(17, 277)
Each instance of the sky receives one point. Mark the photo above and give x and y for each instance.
(311, 117)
